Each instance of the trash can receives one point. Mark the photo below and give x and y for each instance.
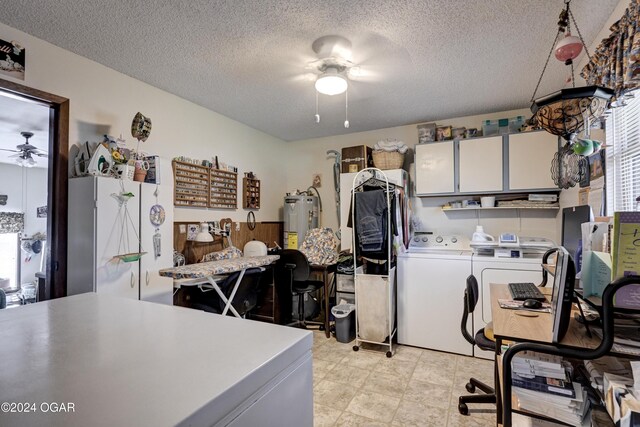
(345, 315)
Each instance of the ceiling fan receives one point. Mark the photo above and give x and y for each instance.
(24, 152)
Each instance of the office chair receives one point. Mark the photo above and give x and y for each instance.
(245, 299)
(292, 272)
(545, 260)
(470, 301)
(3, 299)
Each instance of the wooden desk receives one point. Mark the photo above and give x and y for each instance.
(511, 326)
(508, 325)
(325, 270)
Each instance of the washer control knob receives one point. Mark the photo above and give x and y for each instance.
(439, 239)
(424, 239)
(416, 239)
(454, 240)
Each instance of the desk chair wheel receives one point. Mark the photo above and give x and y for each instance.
(463, 409)
(321, 328)
(356, 348)
(470, 388)
(389, 354)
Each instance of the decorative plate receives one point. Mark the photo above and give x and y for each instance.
(141, 127)
(156, 215)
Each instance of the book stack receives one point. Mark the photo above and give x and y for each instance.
(542, 384)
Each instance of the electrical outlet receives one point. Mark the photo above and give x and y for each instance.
(237, 226)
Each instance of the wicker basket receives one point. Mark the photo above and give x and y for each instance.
(388, 160)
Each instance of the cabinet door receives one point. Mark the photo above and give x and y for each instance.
(481, 165)
(153, 287)
(435, 171)
(116, 234)
(530, 155)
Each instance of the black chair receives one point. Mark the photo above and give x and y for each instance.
(292, 274)
(480, 340)
(245, 299)
(545, 260)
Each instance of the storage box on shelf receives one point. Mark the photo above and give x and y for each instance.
(191, 184)
(223, 189)
(354, 159)
(250, 193)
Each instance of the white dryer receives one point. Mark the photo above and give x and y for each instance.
(431, 282)
(487, 270)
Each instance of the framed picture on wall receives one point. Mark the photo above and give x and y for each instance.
(12, 59)
(41, 211)
(596, 165)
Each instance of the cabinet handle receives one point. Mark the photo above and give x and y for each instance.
(132, 280)
(147, 278)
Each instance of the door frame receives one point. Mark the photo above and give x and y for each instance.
(56, 248)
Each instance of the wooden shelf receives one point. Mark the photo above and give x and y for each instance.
(223, 189)
(202, 187)
(250, 193)
(541, 208)
(191, 185)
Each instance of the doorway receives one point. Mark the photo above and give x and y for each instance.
(39, 223)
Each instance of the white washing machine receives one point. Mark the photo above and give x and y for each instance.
(431, 282)
(487, 270)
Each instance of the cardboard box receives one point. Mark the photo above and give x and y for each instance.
(354, 159)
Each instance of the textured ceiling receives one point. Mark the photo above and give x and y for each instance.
(432, 59)
(18, 116)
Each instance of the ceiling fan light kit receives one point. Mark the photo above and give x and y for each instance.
(335, 69)
(331, 82)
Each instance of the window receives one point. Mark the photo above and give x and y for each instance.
(623, 156)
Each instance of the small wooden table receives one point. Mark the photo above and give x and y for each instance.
(325, 270)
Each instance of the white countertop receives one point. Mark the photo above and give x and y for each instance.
(126, 362)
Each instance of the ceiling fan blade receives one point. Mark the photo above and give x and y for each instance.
(12, 151)
(40, 154)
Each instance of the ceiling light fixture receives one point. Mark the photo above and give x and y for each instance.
(565, 112)
(331, 82)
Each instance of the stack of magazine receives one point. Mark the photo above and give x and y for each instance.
(542, 384)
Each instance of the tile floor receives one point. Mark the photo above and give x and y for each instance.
(415, 387)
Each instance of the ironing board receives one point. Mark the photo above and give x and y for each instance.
(210, 271)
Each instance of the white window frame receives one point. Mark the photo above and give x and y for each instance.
(623, 156)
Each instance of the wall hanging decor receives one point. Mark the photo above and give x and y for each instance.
(124, 224)
(157, 216)
(13, 64)
(41, 211)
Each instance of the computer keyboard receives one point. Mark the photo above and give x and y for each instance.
(523, 291)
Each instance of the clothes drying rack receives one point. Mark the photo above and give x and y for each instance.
(369, 282)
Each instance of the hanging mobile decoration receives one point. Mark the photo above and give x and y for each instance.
(157, 216)
(123, 219)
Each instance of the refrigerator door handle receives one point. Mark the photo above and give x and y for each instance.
(132, 280)
(147, 278)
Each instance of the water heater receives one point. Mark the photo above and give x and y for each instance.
(300, 215)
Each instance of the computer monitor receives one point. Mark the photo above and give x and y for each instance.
(562, 297)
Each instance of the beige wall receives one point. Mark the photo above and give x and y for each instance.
(105, 101)
(309, 157)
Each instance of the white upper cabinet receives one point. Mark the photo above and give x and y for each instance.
(530, 156)
(481, 165)
(435, 168)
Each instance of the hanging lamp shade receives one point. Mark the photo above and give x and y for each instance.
(564, 112)
(568, 48)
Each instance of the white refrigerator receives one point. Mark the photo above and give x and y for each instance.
(97, 234)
